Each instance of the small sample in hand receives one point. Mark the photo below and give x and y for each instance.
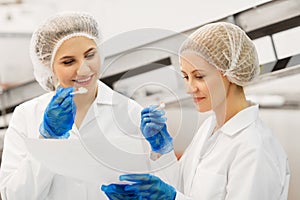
(80, 90)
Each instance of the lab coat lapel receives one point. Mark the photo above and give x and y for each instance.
(104, 96)
(196, 152)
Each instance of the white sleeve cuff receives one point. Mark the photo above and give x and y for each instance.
(180, 196)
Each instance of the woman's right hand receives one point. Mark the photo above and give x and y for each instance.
(59, 115)
(154, 129)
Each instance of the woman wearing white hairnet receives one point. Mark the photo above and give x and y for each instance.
(66, 60)
(233, 156)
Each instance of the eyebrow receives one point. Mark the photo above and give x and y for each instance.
(68, 57)
(65, 57)
(89, 50)
(196, 70)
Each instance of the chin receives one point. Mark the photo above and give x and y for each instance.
(203, 109)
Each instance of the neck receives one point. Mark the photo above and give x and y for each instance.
(83, 103)
(81, 100)
(235, 102)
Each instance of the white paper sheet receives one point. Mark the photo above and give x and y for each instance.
(96, 155)
(69, 158)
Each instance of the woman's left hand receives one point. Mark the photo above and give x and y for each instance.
(117, 192)
(144, 186)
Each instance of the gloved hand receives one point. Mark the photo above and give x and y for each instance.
(59, 115)
(117, 192)
(144, 186)
(154, 129)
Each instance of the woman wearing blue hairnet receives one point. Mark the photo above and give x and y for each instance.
(66, 59)
(234, 155)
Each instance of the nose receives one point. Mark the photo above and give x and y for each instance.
(83, 68)
(190, 87)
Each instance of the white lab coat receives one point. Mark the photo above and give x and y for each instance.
(241, 161)
(23, 177)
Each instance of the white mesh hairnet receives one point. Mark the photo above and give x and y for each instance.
(228, 48)
(50, 35)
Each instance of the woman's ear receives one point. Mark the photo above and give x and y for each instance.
(224, 77)
(55, 81)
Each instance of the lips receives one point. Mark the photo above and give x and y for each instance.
(84, 80)
(198, 99)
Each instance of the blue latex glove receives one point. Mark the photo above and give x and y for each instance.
(59, 115)
(144, 186)
(117, 192)
(154, 129)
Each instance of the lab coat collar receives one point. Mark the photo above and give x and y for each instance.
(105, 94)
(240, 121)
(104, 97)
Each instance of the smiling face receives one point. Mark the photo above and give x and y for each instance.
(204, 82)
(77, 63)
